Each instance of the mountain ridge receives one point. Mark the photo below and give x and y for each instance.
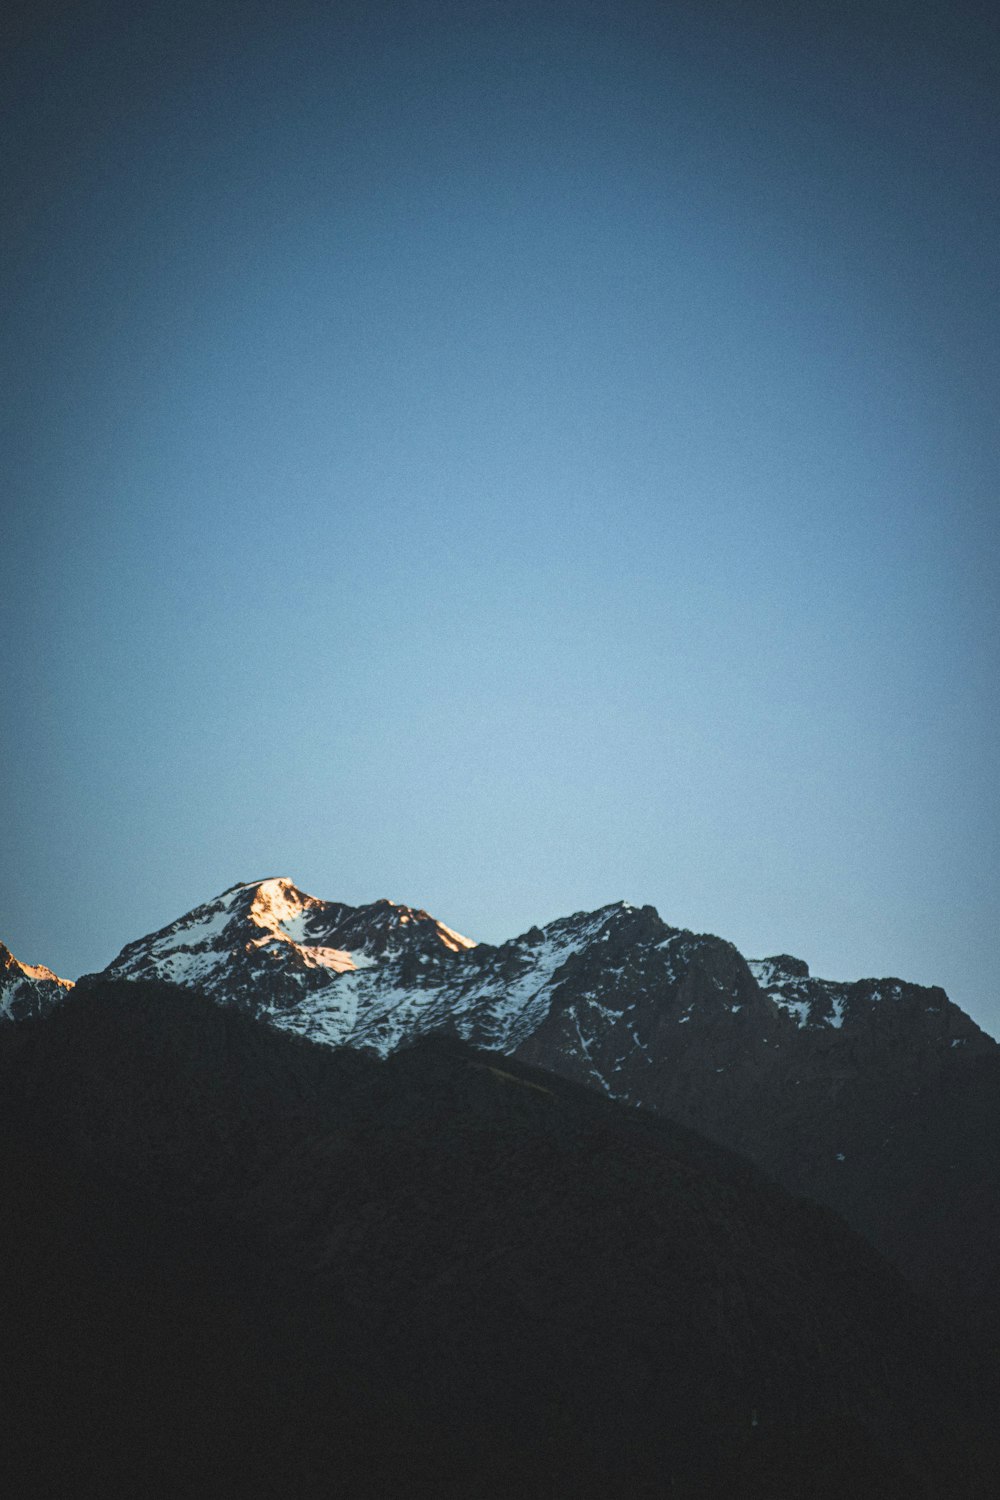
(301, 946)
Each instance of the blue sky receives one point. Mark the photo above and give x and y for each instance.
(506, 458)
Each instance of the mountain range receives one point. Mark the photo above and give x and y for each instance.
(878, 1098)
(459, 1146)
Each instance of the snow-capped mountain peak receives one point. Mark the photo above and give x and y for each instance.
(265, 943)
(27, 989)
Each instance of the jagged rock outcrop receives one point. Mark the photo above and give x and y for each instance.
(27, 989)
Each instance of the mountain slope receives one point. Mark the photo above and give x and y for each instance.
(463, 1276)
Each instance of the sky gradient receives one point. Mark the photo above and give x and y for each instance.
(506, 458)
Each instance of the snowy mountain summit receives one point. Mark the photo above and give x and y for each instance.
(266, 945)
(27, 989)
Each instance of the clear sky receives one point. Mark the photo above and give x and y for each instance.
(506, 458)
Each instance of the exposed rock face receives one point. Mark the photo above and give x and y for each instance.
(27, 989)
(879, 1098)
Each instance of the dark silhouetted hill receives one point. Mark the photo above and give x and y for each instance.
(236, 1263)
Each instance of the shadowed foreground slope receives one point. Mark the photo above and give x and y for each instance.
(237, 1263)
